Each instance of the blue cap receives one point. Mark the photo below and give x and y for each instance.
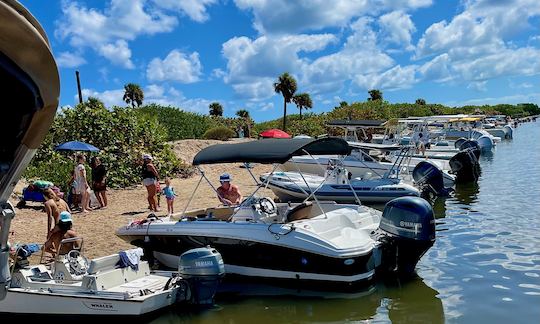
(225, 177)
(65, 217)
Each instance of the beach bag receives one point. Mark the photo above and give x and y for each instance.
(93, 199)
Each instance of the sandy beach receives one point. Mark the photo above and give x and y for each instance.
(98, 227)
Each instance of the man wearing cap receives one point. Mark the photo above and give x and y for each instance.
(228, 193)
(61, 232)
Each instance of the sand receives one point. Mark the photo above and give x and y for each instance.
(98, 227)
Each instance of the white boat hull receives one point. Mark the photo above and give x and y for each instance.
(24, 301)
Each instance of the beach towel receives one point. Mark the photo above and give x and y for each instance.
(130, 258)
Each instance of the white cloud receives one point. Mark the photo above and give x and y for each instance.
(252, 65)
(396, 28)
(284, 16)
(360, 56)
(111, 28)
(118, 53)
(513, 99)
(476, 46)
(194, 9)
(177, 66)
(395, 78)
(478, 86)
(70, 60)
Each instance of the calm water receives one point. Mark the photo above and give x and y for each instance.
(484, 267)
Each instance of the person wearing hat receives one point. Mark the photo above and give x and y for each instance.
(61, 232)
(150, 178)
(228, 193)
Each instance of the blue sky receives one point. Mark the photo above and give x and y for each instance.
(189, 53)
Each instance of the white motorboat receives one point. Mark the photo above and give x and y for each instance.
(76, 286)
(293, 186)
(71, 286)
(362, 165)
(323, 242)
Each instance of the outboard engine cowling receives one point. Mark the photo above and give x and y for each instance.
(485, 142)
(465, 165)
(457, 143)
(203, 269)
(407, 231)
(429, 178)
(508, 132)
(471, 144)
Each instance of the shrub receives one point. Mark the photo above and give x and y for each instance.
(122, 135)
(221, 133)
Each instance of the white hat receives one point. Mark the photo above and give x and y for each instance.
(147, 157)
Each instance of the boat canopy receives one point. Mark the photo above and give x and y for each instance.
(268, 151)
(356, 123)
(374, 146)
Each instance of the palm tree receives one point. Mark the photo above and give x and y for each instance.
(375, 95)
(420, 102)
(133, 94)
(244, 114)
(216, 109)
(302, 100)
(286, 85)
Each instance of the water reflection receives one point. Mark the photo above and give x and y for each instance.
(466, 193)
(400, 302)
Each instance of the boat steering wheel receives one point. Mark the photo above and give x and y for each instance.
(267, 205)
(77, 262)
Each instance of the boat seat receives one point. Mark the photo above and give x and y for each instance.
(104, 263)
(107, 279)
(300, 211)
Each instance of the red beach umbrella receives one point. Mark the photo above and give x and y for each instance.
(274, 133)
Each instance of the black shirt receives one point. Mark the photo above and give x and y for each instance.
(98, 173)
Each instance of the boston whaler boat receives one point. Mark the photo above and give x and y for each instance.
(71, 285)
(309, 241)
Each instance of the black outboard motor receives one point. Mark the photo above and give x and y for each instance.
(465, 165)
(407, 231)
(203, 269)
(471, 144)
(457, 143)
(429, 178)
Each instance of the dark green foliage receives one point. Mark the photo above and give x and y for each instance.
(375, 94)
(302, 101)
(420, 101)
(216, 109)
(122, 134)
(221, 133)
(286, 86)
(133, 94)
(180, 124)
(314, 124)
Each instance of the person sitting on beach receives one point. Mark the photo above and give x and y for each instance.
(63, 232)
(228, 193)
(54, 206)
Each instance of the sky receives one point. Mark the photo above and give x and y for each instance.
(190, 53)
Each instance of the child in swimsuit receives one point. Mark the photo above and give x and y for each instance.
(169, 193)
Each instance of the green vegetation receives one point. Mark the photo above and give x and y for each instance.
(216, 109)
(221, 133)
(133, 94)
(122, 134)
(286, 85)
(180, 124)
(302, 101)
